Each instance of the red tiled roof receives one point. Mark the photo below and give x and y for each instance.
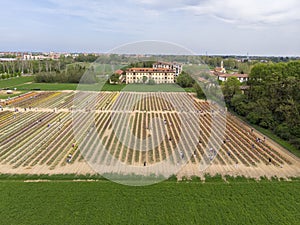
(162, 70)
(234, 75)
(119, 72)
(166, 63)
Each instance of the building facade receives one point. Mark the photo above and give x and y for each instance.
(240, 77)
(166, 65)
(144, 75)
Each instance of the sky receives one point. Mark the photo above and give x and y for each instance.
(257, 27)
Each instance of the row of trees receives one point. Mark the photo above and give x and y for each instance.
(86, 58)
(7, 76)
(272, 100)
(31, 66)
(72, 74)
(38, 66)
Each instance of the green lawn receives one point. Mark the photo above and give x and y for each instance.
(27, 84)
(15, 82)
(68, 86)
(48, 86)
(106, 87)
(5, 96)
(106, 68)
(189, 89)
(170, 202)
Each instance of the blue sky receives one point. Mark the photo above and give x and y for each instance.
(260, 27)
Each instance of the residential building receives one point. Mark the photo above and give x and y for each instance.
(143, 75)
(167, 65)
(240, 77)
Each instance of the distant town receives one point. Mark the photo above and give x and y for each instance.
(12, 56)
(162, 69)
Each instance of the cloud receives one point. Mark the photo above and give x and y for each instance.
(108, 16)
(246, 12)
(195, 23)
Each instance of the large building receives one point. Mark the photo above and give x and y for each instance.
(160, 73)
(144, 75)
(166, 65)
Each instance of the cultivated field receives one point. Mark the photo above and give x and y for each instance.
(170, 202)
(36, 135)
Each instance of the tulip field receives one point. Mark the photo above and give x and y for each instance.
(36, 135)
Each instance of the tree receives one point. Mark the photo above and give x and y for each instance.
(230, 88)
(244, 68)
(145, 78)
(185, 80)
(115, 78)
(200, 94)
(238, 102)
(151, 82)
(272, 100)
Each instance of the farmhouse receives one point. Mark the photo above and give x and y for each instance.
(240, 77)
(222, 75)
(144, 75)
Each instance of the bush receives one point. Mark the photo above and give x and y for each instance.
(283, 131)
(253, 118)
(73, 74)
(185, 80)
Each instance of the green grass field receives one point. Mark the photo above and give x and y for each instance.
(15, 82)
(103, 202)
(27, 84)
(5, 96)
(48, 86)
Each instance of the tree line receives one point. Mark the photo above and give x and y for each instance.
(72, 74)
(31, 66)
(272, 99)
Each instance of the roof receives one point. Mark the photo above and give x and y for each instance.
(162, 70)
(119, 72)
(234, 75)
(166, 63)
